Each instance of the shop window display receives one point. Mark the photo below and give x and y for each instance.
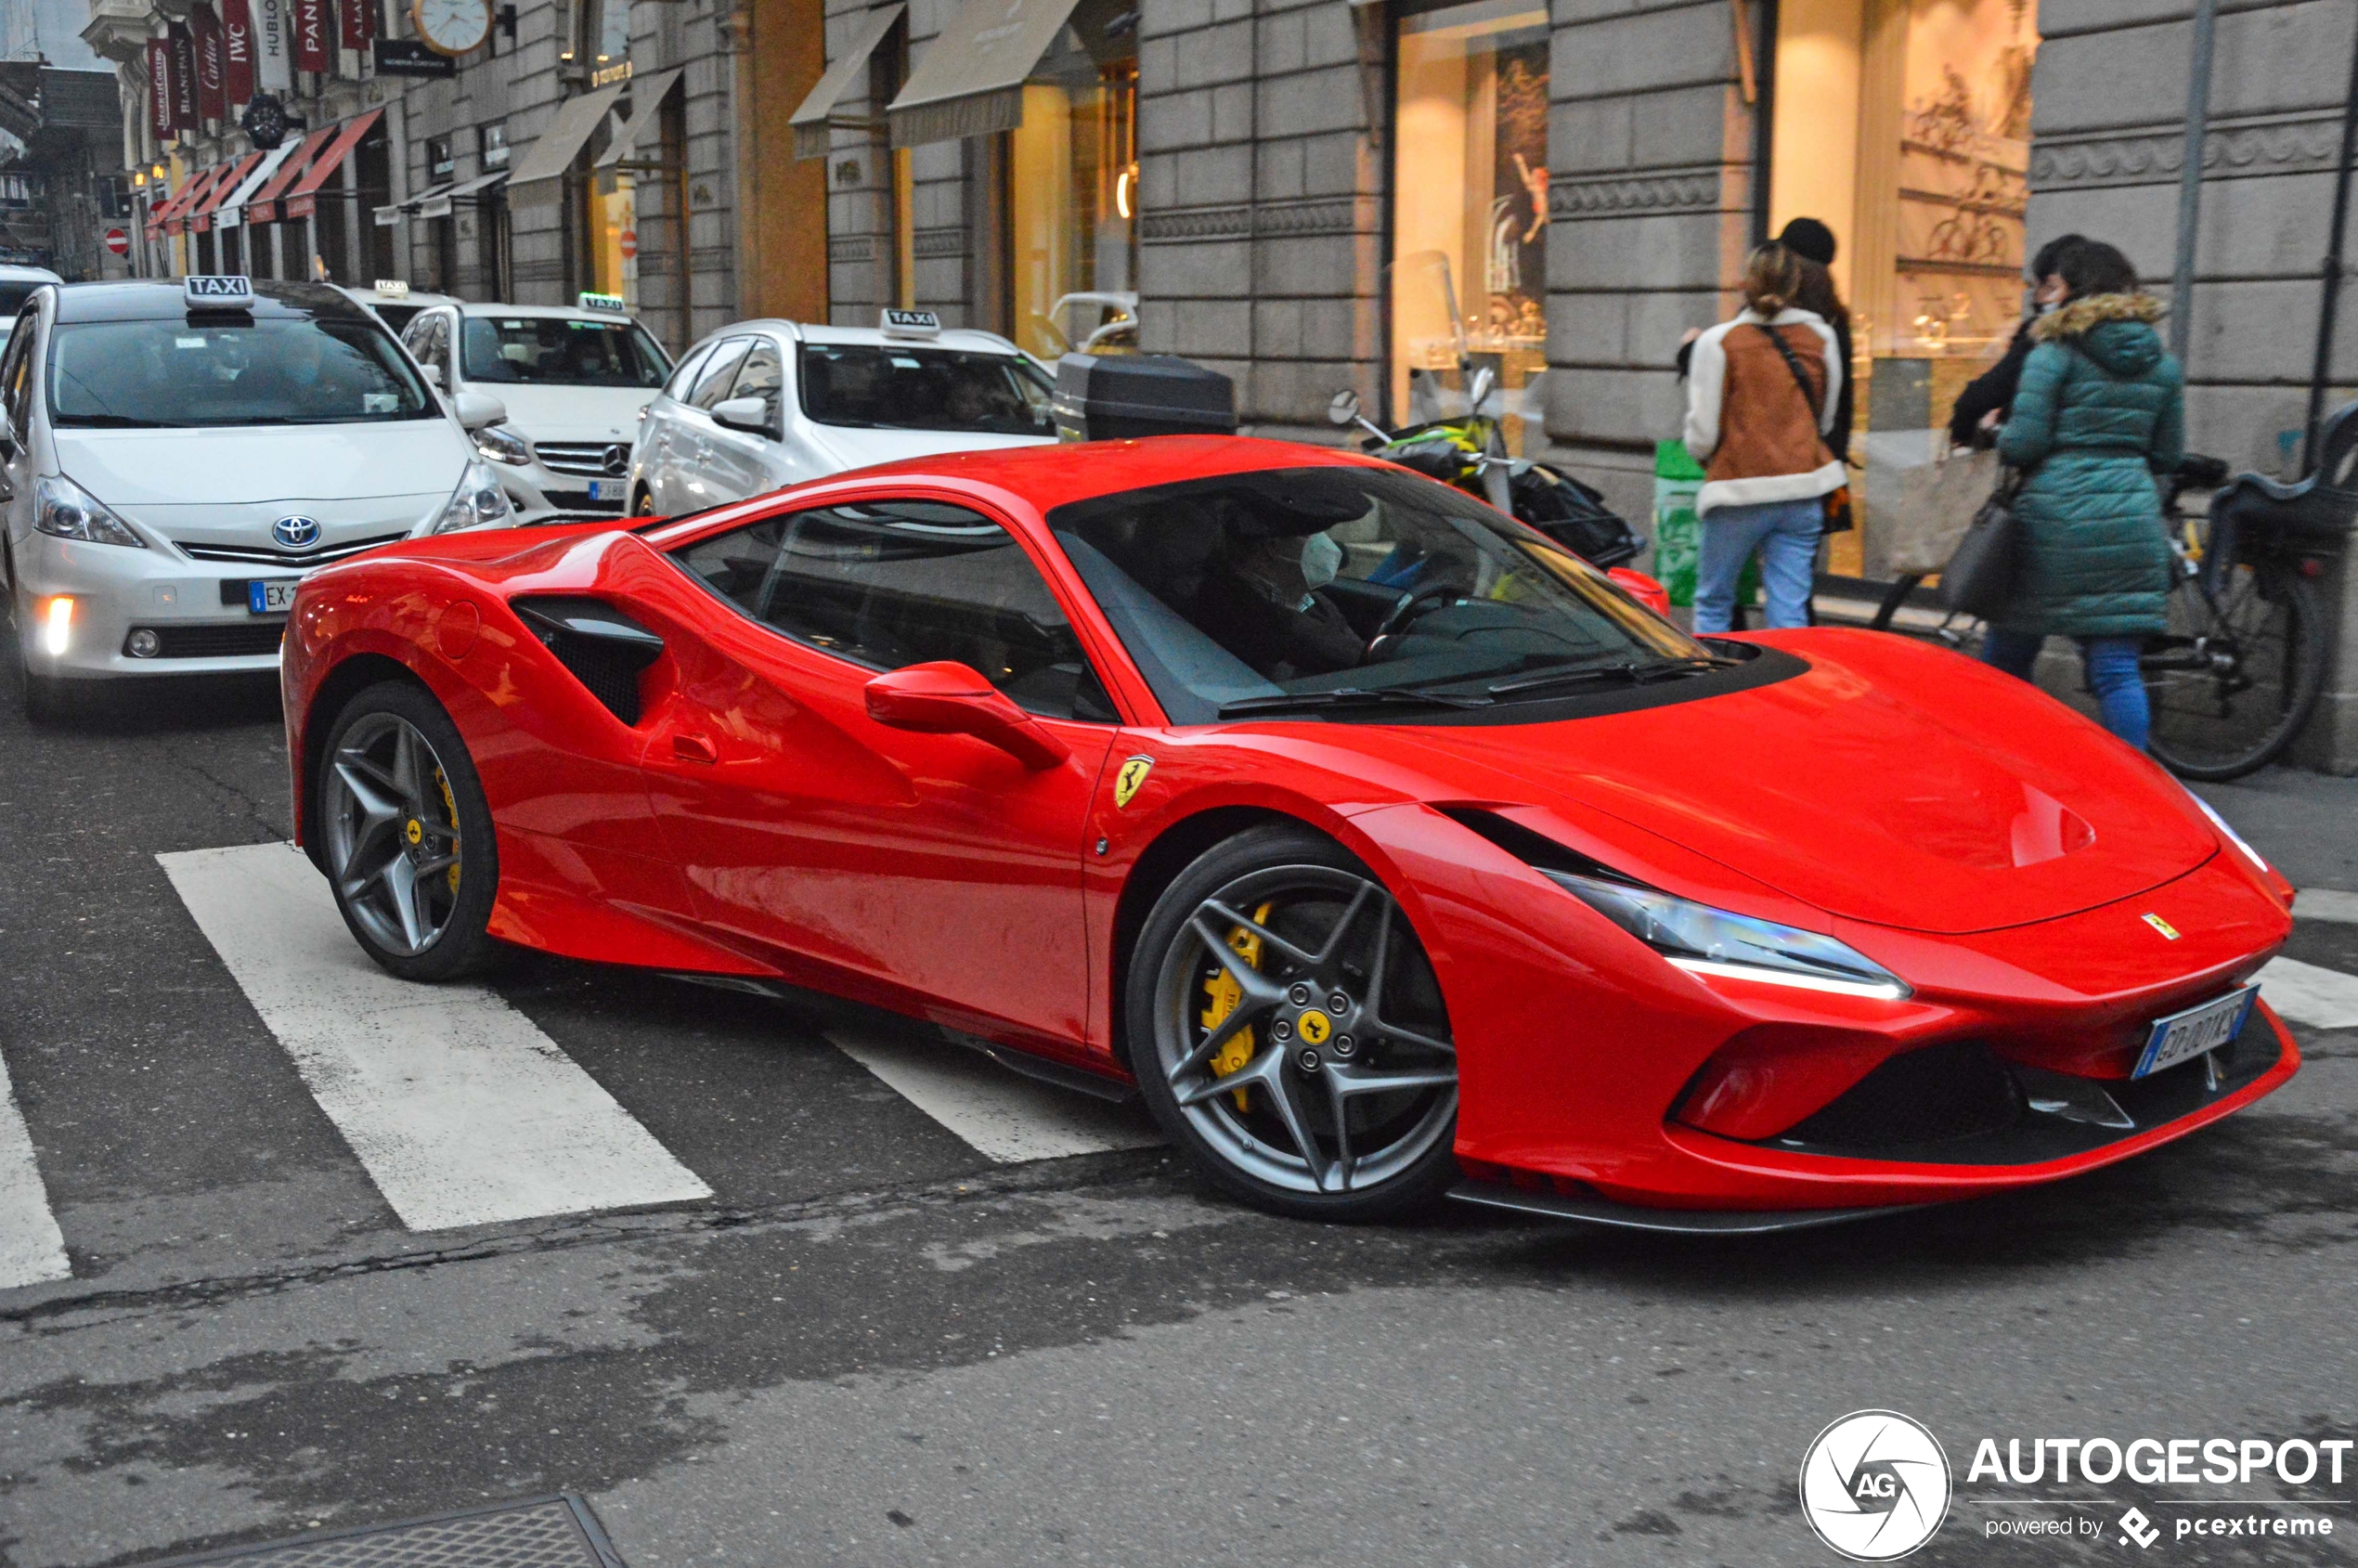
(1470, 211)
(1072, 185)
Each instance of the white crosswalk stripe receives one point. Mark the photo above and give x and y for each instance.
(462, 1111)
(2309, 993)
(2327, 904)
(1006, 1118)
(31, 1249)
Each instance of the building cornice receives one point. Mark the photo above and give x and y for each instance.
(1655, 190)
(2284, 143)
(1295, 217)
(119, 30)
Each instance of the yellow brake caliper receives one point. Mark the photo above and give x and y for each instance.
(1223, 995)
(449, 804)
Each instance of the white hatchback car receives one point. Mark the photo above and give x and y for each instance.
(765, 404)
(574, 383)
(177, 455)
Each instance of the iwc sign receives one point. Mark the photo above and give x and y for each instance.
(1874, 1486)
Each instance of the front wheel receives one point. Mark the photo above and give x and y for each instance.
(1288, 1031)
(407, 835)
(2239, 671)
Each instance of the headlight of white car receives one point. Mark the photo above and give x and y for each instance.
(477, 502)
(503, 446)
(65, 509)
(1704, 941)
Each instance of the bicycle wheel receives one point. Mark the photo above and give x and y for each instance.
(2238, 672)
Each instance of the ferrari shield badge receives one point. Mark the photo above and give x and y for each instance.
(2164, 926)
(1132, 775)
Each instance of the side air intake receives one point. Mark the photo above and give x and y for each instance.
(604, 648)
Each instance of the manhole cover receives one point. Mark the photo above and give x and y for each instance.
(557, 1532)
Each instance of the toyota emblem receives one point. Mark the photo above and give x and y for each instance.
(296, 533)
(617, 462)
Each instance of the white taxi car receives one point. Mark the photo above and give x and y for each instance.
(764, 403)
(177, 455)
(574, 383)
(392, 302)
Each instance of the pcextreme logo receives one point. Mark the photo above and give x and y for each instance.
(1874, 1486)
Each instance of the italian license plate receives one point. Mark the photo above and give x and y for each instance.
(605, 490)
(2183, 1036)
(271, 596)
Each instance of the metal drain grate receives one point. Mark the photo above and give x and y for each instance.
(557, 1532)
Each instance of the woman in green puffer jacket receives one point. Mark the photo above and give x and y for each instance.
(2099, 410)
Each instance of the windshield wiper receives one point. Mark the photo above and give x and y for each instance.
(1348, 696)
(1609, 674)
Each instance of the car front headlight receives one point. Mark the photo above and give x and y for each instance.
(65, 509)
(477, 502)
(2228, 833)
(503, 446)
(1704, 941)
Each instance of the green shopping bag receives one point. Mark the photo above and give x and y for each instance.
(1678, 478)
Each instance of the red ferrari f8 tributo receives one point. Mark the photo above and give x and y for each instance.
(1384, 846)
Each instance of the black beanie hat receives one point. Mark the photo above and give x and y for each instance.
(1810, 240)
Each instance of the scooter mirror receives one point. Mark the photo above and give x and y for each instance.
(1478, 393)
(1343, 406)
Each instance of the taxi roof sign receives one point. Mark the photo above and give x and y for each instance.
(394, 288)
(910, 323)
(218, 291)
(614, 302)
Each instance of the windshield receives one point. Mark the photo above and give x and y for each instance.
(1255, 588)
(14, 294)
(558, 351)
(229, 372)
(876, 387)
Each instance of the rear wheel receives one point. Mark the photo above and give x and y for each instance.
(644, 503)
(1288, 1031)
(407, 835)
(2238, 672)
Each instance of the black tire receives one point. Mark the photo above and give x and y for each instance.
(644, 503)
(1334, 944)
(355, 771)
(2239, 673)
(45, 695)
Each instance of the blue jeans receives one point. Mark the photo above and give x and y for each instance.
(2111, 663)
(1786, 535)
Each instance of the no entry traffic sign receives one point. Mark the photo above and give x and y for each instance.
(118, 242)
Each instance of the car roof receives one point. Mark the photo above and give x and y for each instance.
(12, 272)
(1060, 473)
(968, 339)
(273, 300)
(421, 298)
(539, 312)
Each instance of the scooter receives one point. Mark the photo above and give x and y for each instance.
(1469, 452)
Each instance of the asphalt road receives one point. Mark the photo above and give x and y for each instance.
(877, 1344)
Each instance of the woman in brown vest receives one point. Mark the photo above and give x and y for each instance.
(1761, 393)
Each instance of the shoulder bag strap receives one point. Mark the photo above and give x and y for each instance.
(1800, 376)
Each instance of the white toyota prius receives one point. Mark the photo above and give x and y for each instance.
(177, 455)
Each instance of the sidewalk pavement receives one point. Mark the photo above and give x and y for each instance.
(2304, 823)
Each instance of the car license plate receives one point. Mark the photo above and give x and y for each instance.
(2183, 1036)
(271, 596)
(605, 490)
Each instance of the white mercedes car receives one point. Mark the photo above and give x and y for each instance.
(574, 383)
(766, 404)
(177, 455)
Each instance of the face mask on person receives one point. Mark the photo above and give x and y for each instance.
(1321, 558)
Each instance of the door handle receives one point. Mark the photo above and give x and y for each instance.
(694, 748)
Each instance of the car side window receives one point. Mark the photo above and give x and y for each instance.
(684, 375)
(719, 371)
(888, 584)
(16, 374)
(762, 373)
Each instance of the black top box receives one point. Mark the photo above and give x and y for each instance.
(1113, 397)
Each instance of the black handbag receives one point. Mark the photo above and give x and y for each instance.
(1979, 577)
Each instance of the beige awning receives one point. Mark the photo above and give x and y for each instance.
(970, 81)
(538, 177)
(811, 122)
(647, 93)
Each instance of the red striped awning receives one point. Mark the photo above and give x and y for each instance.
(200, 216)
(304, 196)
(264, 206)
(175, 209)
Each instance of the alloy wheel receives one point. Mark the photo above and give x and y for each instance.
(392, 833)
(1301, 1033)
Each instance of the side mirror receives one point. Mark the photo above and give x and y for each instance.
(8, 438)
(1342, 407)
(432, 370)
(476, 410)
(748, 414)
(947, 698)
